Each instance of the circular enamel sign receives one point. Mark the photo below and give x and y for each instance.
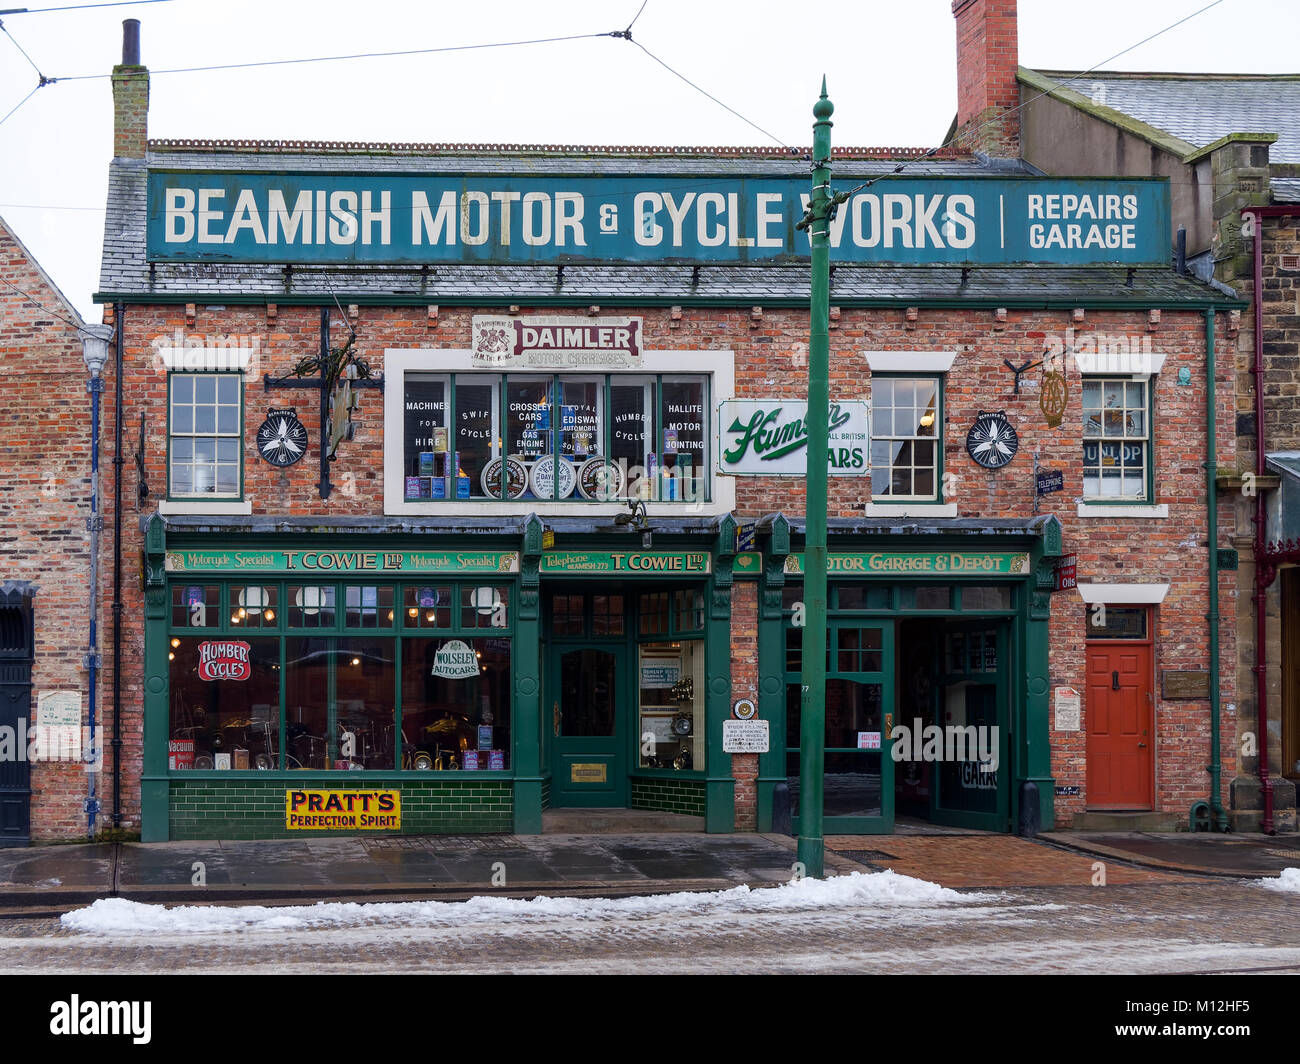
(992, 442)
(744, 709)
(282, 438)
(600, 479)
(543, 478)
(516, 478)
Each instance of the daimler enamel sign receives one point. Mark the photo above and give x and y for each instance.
(556, 341)
(769, 437)
(230, 216)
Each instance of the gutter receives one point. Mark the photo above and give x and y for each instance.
(119, 321)
(1212, 514)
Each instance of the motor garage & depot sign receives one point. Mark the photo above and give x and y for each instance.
(554, 341)
(225, 659)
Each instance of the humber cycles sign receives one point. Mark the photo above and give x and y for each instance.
(342, 561)
(224, 216)
(770, 438)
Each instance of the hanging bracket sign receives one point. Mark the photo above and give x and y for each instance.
(455, 660)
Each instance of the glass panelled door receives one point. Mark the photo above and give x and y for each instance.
(589, 744)
(859, 772)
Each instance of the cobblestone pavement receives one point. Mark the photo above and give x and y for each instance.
(1173, 925)
(988, 861)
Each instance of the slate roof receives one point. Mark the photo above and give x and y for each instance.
(1286, 189)
(1201, 108)
(125, 271)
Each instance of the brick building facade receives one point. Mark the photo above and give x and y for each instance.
(532, 564)
(45, 546)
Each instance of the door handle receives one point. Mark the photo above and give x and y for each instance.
(1114, 680)
(1140, 745)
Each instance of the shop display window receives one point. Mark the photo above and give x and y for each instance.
(283, 676)
(573, 437)
(225, 702)
(670, 679)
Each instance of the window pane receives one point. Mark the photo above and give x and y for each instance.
(580, 427)
(425, 445)
(607, 615)
(683, 459)
(427, 607)
(228, 389)
(528, 418)
(232, 720)
(484, 607)
(182, 389)
(205, 419)
(205, 389)
(566, 614)
(632, 432)
(461, 723)
(994, 597)
(365, 695)
(182, 418)
(475, 418)
(182, 478)
(228, 419)
(368, 607)
(1116, 622)
(196, 606)
(311, 607)
(307, 739)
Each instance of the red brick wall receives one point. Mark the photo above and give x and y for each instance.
(987, 56)
(44, 503)
(770, 358)
(744, 684)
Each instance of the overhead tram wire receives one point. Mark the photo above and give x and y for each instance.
(37, 303)
(42, 80)
(78, 7)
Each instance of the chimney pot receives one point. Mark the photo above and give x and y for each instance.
(131, 42)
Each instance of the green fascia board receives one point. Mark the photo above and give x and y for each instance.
(1246, 138)
(1160, 138)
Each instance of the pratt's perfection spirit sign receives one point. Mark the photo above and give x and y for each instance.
(342, 561)
(894, 563)
(556, 341)
(216, 216)
(342, 810)
(769, 437)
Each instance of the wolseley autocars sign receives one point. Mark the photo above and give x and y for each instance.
(230, 216)
(769, 437)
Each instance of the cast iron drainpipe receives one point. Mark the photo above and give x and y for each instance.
(1212, 516)
(1263, 573)
(119, 322)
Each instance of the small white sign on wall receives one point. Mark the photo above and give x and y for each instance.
(58, 726)
(1068, 715)
(745, 737)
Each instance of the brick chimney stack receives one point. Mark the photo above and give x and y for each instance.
(130, 97)
(987, 57)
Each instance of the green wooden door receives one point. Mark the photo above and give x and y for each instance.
(590, 712)
(858, 781)
(970, 785)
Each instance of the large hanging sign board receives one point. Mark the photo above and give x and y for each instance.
(342, 561)
(229, 216)
(769, 437)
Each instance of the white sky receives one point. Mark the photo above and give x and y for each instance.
(890, 67)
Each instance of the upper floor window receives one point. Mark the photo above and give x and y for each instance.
(906, 448)
(526, 436)
(1116, 438)
(204, 435)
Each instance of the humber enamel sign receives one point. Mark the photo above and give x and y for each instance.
(769, 437)
(224, 216)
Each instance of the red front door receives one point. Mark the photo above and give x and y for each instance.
(1120, 742)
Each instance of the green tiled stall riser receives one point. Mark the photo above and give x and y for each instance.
(669, 796)
(254, 809)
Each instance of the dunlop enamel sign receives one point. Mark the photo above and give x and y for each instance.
(769, 437)
(226, 216)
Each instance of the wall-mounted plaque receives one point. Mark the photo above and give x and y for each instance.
(1184, 683)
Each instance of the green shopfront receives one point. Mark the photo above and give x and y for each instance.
(457, 666)
(479, 677)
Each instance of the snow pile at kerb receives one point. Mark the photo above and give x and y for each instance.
(1288, 882)
(873, 891)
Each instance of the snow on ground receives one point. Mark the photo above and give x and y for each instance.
(1288, 881)
(875, 891)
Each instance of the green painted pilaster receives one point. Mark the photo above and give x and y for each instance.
(720, 793)
(1033, 749)
(771, 669)
(528, 693)
(154, 784)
